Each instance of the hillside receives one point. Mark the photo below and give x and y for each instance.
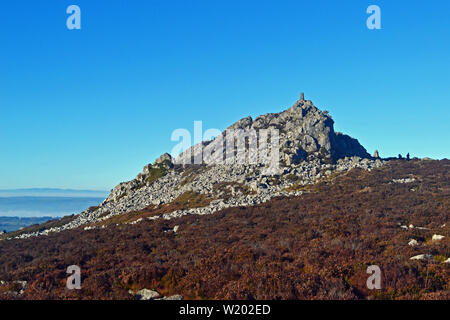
(251, 162)
(315, 245)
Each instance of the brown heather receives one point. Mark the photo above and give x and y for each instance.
(316, 246)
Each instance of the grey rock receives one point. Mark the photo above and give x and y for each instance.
(147, 294)
(422, 257)
(405, 180)
(174, 297)
(164, 158)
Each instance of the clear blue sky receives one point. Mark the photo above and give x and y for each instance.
(89, 108)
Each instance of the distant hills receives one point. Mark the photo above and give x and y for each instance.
(14, 223)
(53, 192)
(42, 203)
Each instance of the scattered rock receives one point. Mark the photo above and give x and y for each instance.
(165, 158)
(23, 286)
(413, 242)
(405, 180)
(174, 297)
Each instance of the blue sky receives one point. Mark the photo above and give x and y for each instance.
(89, 108)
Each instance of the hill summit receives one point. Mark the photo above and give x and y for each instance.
(305, 133)
(303, 146)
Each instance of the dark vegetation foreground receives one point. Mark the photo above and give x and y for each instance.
(316, 246)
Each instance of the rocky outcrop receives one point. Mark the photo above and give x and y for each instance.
(309, 151)
(305, 133)
(149, 174)
(165, 159)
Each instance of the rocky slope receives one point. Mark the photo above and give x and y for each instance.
(309, 151)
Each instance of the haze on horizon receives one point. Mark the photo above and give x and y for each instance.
(53, 192)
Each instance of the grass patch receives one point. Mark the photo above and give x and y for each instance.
(155, 172)
(440, 258)
(292, 177)
(121, 218)
(187, 200)
(190, 174)
(190, 200)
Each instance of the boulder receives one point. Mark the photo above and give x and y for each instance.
(422, 257)
(437, 237)
(147, 294)
(165, 158)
